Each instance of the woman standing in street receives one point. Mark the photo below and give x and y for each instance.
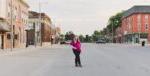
(76, 47)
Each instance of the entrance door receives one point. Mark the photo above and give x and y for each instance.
(136, 40)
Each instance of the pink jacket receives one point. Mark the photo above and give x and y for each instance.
(77, 45)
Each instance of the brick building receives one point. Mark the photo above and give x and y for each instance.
(56, 34)
(135, 26)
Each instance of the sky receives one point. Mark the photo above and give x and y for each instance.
(83, 16)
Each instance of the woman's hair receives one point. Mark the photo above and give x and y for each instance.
(78, 40)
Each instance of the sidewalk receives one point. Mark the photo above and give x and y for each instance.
(16, 50)
(128, 44)
(30, 48)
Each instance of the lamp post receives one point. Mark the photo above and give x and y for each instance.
(40, 23)
(11, 25)
(52, 33)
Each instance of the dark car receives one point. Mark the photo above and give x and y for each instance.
(102, 41)
(65, 42)
(62, 42)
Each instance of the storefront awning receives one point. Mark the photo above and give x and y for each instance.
(4, 27)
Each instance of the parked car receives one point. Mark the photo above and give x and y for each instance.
(68, 42)
(65, 42)
(101, 41)
(62, 42)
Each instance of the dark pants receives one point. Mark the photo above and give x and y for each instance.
(77, 57)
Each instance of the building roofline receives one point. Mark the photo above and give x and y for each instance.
(133, 14)
(137, 9)
(36, 15)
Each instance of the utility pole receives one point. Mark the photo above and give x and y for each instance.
(35, 34)
(112, 32)
(11, 25)
(40, 23)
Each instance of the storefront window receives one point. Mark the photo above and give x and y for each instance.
(146, 26)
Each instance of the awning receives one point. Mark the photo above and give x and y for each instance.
(4, 27)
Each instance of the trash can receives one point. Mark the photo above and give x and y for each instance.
(27, 44)
(143, 43)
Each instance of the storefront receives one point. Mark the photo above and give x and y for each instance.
(4, 28)
(135, 38)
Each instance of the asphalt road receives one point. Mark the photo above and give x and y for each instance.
(97, 60)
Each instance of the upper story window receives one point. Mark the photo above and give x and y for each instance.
(139, 18)
(129, 23)
(139, 22)
(146, 18)
(146, 26)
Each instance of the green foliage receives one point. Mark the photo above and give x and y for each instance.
(69, 35)
(62, 37)
(115, 21)
(81, 37)
(88, 38)
(97, 35)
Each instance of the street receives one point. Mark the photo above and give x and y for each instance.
(97, 60)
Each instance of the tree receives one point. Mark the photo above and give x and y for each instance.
(62, 37)
(114, 21)
(96, 35)
(88, 38)
(96, 32)
(81, 37)
(69, 35)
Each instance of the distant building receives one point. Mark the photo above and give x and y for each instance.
(57, 34)
(17, 12)
(135, 26)
(33, 29)
(36, 34)
(46, 29)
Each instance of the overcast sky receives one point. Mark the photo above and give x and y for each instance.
(83, 16)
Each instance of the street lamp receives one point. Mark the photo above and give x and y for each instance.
(52, 33)
(11, 25)
(40, 21)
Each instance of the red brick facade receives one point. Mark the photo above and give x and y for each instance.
(135, 25)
